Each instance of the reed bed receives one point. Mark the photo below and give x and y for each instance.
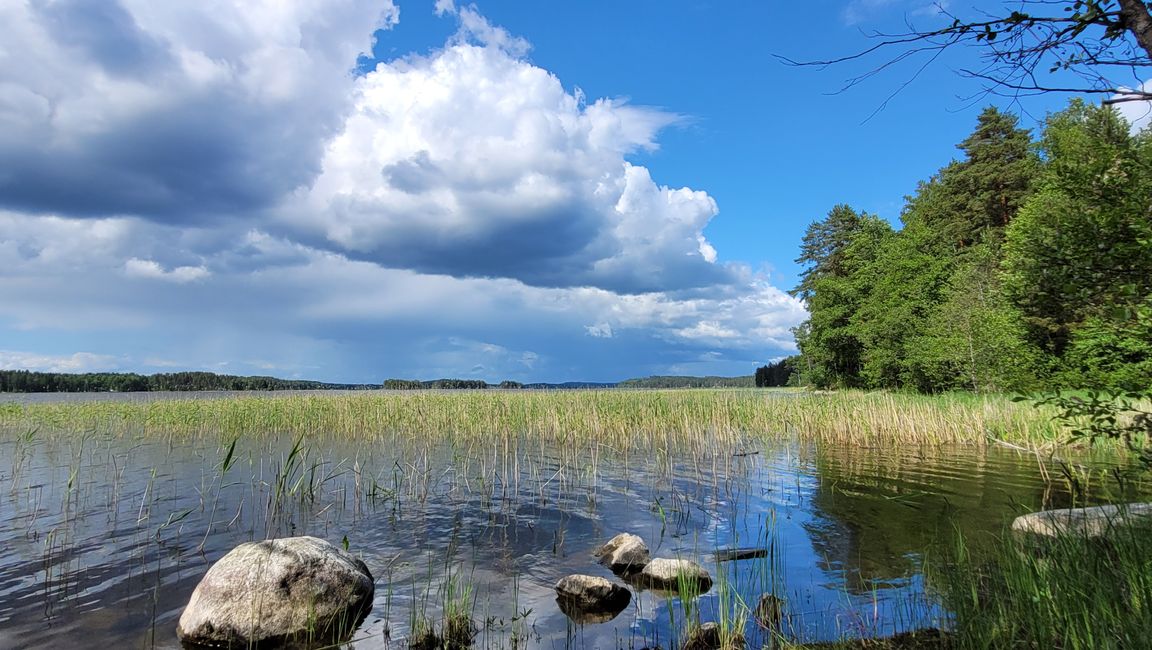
(616, 418)
(1068, 592)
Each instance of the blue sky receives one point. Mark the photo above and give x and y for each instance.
(534, 191)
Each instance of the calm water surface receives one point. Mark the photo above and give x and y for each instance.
(103, 538)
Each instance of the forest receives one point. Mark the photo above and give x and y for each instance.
(1025, 264)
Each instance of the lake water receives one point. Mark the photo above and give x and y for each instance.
(103, 537)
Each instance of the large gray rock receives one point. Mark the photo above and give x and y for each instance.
(666, 575)
(581, 594)
(1086, 522)
(624, 553)
(294, 591)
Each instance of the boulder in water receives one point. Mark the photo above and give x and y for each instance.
(1086, 522)
(589, 598)
(624, 553)
(295, 592)
(668, 574)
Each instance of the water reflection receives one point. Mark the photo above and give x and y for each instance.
(103, 538)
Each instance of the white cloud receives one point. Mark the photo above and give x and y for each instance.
(445, 7)
(172, 111)
(474, 162)
(599, 330)
(77, 362)
(210, 181)
(1138, 114)
(862, 11)
(139, 268)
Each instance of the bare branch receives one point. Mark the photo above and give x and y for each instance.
(1092, 39)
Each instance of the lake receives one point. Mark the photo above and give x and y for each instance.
(104, 535)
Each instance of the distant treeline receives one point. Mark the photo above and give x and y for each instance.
(688, 382)
(25, 381)
(476, 384)
(775, 374)
(453, 384)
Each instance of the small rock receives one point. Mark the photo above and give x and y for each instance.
(704, 637)
(624, 553)
(290, 591)
(1087, 522)
(591, 616)
(667, 574)
(769, 611)
(592, 594)
(709, 637)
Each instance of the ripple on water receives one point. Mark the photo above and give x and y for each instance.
(103, 539)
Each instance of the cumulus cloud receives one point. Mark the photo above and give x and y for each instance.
(474, 162)
(206, 185)
(177, 111)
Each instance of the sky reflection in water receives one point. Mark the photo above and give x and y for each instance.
(102, 539)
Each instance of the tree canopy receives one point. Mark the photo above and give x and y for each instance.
(1023, 264)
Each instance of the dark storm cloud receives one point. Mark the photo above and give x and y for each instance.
(103, 32)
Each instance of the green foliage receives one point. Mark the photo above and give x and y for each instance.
(451, 384)
(1112, 351)
(1071, 592)
(1019, 267)
(688, 382)
(1109, 415)
(1082, 246)
(974, 340)
(775, 374)
(839, 249)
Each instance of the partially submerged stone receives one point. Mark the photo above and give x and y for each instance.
(1085, 522)
(709, 637)
(668, 574)
(581, 595)
(703, 637)
(624, 553)
(295, 592)
(769, 611)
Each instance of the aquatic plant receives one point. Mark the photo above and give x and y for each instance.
(1066, 592)
(607, 419)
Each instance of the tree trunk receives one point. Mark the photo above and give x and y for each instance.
(1134, 14)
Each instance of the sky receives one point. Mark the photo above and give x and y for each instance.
(366, 189)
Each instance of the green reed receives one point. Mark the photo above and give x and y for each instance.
(612, 418)
(1031, 592)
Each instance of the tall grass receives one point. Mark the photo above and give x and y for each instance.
(1069, 592)
(632, 418)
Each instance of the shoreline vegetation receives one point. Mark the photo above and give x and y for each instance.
(625, 417)
(704, 428)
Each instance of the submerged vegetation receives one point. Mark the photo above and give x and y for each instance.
(462, 502)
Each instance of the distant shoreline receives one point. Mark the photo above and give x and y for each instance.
(33, 382)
